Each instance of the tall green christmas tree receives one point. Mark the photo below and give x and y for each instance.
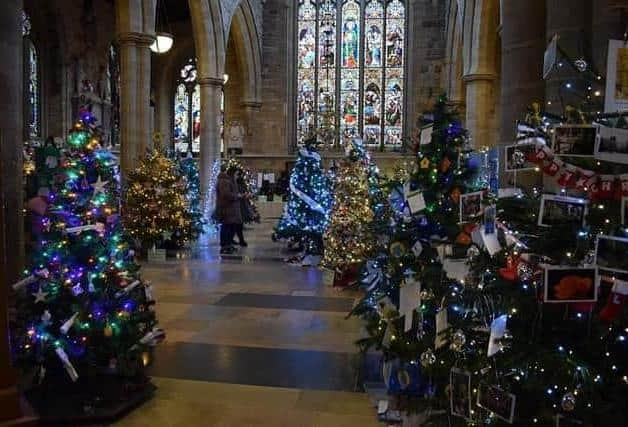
(83, 312)
(306, 215)
(409, 285)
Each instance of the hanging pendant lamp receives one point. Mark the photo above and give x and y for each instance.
(163, 39)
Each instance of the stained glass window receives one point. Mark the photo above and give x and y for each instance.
(32, 83)
(187, 110)
(352, 51)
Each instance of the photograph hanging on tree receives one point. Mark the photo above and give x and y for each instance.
(559, 210)
(470, 206)
(611, 145)
(460, 395)
(569, 284)
(611, 253)
(496, 400)
(517, 157)
(574, 140)
(616, 96)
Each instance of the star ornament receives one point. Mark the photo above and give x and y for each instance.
(99, 186)
(40, 295)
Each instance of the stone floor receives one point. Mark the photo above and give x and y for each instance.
(252, 341)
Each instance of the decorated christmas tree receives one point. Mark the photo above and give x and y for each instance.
(349, 239)
(82, 310)
(556, 288)
(155, 207)
(306, 215)
(188, 169)
(409, 285)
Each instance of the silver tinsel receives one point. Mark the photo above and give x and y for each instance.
(581, 64)
(427, 358)
(524, 272)
(568, 402)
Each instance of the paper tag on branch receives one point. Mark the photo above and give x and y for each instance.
(409, 300)
(442, 325)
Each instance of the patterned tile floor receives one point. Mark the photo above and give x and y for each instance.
(252, 341)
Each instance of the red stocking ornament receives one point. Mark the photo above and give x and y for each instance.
(616, 301)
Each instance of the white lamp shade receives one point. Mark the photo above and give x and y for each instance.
(163, 42)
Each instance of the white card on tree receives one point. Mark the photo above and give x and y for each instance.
(409, 300)
(416, 202)
(498, 329)
(488, 241)
(441, 326)
(456, 268)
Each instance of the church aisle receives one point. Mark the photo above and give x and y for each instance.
(252, 341)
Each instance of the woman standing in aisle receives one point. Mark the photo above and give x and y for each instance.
(228, 209)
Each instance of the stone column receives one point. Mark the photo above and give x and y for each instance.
(567, 18)
(250, 111)
(211, 88)
(11, 222)
(523, 45)
(480, 109)
(134, 98)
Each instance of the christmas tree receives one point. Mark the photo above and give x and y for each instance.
(349, 240)
(82, 309)
(558, 287)
(306, 214)
(410, 284)
(188, 169)
(155, 208)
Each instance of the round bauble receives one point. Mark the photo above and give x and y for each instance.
(568, 402)
(427, 358)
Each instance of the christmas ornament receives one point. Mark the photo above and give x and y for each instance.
(397, 249)
(40, 295)
(518, 158)
(524, 271)
(99, 186)
(108, 331)
(427, 358)
(425, 163)
(473, 252)
(445, 164)
(458, 340)
(581, 65)
(463, 239)
(568, 402)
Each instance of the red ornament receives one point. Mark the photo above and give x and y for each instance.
(509, 272)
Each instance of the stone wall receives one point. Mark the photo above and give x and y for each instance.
(72, 39)
(269, 127)
(426, 55)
